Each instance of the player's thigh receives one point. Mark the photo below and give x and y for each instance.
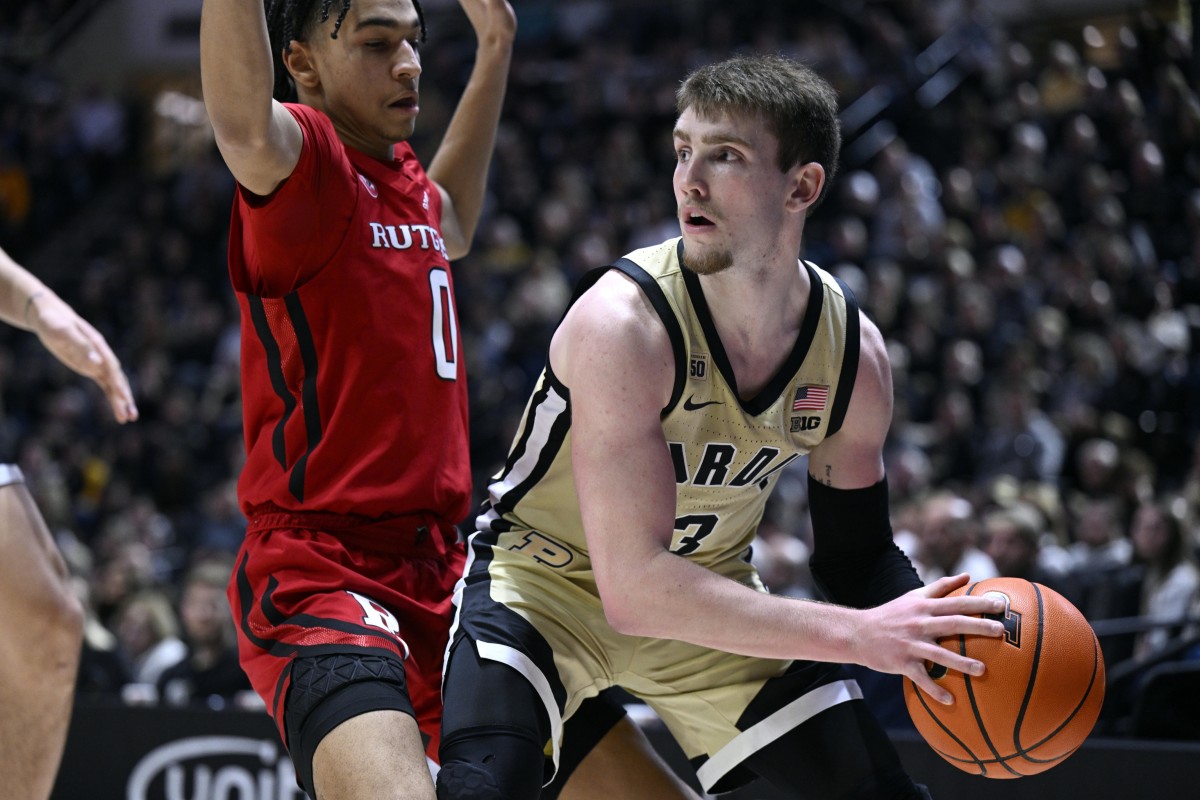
(624, 764)
(840, 752)
(378, 754)
(729, 707)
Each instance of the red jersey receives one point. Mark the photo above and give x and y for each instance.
(353, 385)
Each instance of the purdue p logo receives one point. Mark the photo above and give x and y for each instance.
(1011, 620)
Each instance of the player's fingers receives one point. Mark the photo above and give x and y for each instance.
(106, 370)
(960, 625)
(944, 657)
(967, 604)
(943, 586)
(920, 676)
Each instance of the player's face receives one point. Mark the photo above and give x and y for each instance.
(369, 74)
(729, 190)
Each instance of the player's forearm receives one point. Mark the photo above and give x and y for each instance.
(236, 71)
(19, 291)
(667, 596)
(460, 165)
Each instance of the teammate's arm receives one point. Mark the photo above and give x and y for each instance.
(615, 357)
(27, 303)
(460, 166)
(258, 138)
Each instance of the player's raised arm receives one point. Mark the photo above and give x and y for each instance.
(257, 136)
(461, 163)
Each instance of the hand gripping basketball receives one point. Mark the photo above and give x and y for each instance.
(1039, 697)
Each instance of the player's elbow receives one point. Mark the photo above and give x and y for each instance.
(624, 618)
(623, 610)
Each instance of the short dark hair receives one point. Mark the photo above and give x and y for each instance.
(294, 20)
(799, 106)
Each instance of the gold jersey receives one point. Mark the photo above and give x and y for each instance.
(727, 451)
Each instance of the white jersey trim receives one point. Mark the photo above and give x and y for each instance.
(760, 735)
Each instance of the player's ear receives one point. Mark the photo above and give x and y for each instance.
(805, 187)
(300, 62)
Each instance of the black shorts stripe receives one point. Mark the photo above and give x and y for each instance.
(273, 615)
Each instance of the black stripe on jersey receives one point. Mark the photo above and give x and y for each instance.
(277, 619)
(554, 443)
(308, 391)
(275, 369)
(782, 379)
(841, 401)
(654, 293)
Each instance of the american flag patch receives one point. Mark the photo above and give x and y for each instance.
(810, 397)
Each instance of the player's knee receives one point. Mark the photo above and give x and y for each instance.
(491, 763)
(52, 630)
(329, 689)
(459, 781)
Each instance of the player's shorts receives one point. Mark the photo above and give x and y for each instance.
(10, 474)
(550, 626)
(321, 584)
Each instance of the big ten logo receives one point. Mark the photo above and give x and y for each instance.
(543, 549)
(214, 768)
(698, 366)
(800, 424)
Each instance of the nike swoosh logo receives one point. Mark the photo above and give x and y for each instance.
(688, 405)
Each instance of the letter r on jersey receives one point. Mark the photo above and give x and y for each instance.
(376, 615)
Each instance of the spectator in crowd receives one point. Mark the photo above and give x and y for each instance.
(1171, 580)
(948, 539)
(209, 675)
(1013, 538)
(147, 629)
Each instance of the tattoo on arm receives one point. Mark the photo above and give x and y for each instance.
(828, 475)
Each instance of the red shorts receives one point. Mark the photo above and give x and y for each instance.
(316, 584)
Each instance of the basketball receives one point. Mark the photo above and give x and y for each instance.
(1038, 698)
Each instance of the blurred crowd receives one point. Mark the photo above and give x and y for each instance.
(1018, 208)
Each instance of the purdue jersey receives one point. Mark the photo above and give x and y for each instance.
(728, 452)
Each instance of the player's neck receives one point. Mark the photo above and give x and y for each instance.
(757, 315)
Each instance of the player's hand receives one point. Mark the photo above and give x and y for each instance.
(901, 636)
(493, 20)
(78, 345)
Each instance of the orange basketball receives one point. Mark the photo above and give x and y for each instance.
(1038, 698)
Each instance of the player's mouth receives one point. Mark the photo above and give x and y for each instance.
(694, 220)
(407, 103)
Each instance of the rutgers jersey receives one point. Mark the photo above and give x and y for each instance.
(353, 386)
(727, 451)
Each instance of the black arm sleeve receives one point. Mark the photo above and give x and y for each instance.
(854, 561)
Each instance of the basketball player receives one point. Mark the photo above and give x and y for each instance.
(353, 382)
(614, 548)
(41, 620)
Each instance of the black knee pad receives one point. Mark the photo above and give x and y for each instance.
(329, 689)
(494, 762)
(461, 781)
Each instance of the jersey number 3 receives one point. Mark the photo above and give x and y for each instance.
(445, 325)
